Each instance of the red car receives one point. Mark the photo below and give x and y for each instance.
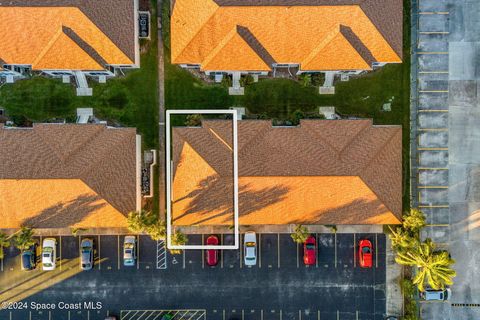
(211, 255)
(365, 253)
(309, 251)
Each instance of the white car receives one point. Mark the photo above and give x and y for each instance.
(250, 248)
(129, 251)
(436, 295)
(49, 254)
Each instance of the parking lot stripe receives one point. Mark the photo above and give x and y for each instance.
(30, 315)
(281, 314)
(68, 314)
(354, 253)
(183, 253)
(278, 250)
(338, 315)
(10, 315)
(138, 252)
(261, 314)
(335, 249)
(298, 263)
(99, 253)
(223, 314)
(221, 256)
(1, 265)
(376, 250)
(318, 314)
(316, 251)
(243, 314)
(241, 249)
(60, 254)
(356, 315)
(259, 250)
(118, 251)
(203, 252)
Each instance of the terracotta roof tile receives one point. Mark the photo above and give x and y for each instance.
(56, 38)
(321, 172)
(88, 165)
(297, 32)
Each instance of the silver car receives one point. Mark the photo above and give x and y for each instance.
(86, 254)
(250, 248)
(129, 251)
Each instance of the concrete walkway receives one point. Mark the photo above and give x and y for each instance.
(161, 114)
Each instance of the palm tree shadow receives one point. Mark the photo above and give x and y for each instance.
(65, 214)
(215, 194)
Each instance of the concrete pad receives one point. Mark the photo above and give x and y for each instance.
(433, 159)
(432, 46)
(430, 62)
(464, 182)
(432, 85)
(433, 196)
(433, 22)
(462, 93)
(462, 60)
(467, 283)
(433, 178)
(437, 215)
(435, 310)
(432, 5)
(433, 101)
(426, 37)
(472, 20)
(464, 135)
(433, 139)
(433, 120)
(436, 233)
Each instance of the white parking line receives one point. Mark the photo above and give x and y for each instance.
(60, 254)
(318, 315)
(335, 249)
(99, 253)
(376, 250)
(183, 254)
(299, 314)
(138, 251)
(259, 250)
(298, 253)
(278, 250)
(118, 251)
(281, 314)
(241, 249)
(203, 252)
(1, 265)
(354, 253)
(316, 250)
(221, 260)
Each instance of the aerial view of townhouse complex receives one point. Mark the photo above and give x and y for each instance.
(239, 159)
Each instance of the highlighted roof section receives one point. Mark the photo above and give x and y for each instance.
(285, 31)
(321, 172)
(55, 38)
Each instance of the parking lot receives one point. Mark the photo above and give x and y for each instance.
(280, 286)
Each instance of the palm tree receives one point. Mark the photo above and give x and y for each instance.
(401, 239)
(414, 220)
(156, 231)
(300, 235)
(433, 266)
(24, 238)
(4, 243)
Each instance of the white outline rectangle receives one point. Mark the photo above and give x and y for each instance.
(235, 180)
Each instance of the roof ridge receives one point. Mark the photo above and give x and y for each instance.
(368, 124)
(198, 31)
(326, 40)
(47, 48)
(380, 198)
(220, 46)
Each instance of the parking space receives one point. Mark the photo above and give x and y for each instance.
(275, 278)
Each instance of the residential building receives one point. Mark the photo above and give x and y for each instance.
(322, 172)
(69, 175)
(68, 38)
(264, 36)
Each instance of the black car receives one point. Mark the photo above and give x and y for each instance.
(29, 258)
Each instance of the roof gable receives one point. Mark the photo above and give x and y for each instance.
(47, 45)
(288, 32)
(234, 45)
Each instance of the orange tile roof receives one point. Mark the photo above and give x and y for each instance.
(55, 203)
(319, 37)
(56, 175)
(322, 172)
(55, 38)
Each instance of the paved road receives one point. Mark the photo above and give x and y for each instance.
(451, 33)
(278, 287)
